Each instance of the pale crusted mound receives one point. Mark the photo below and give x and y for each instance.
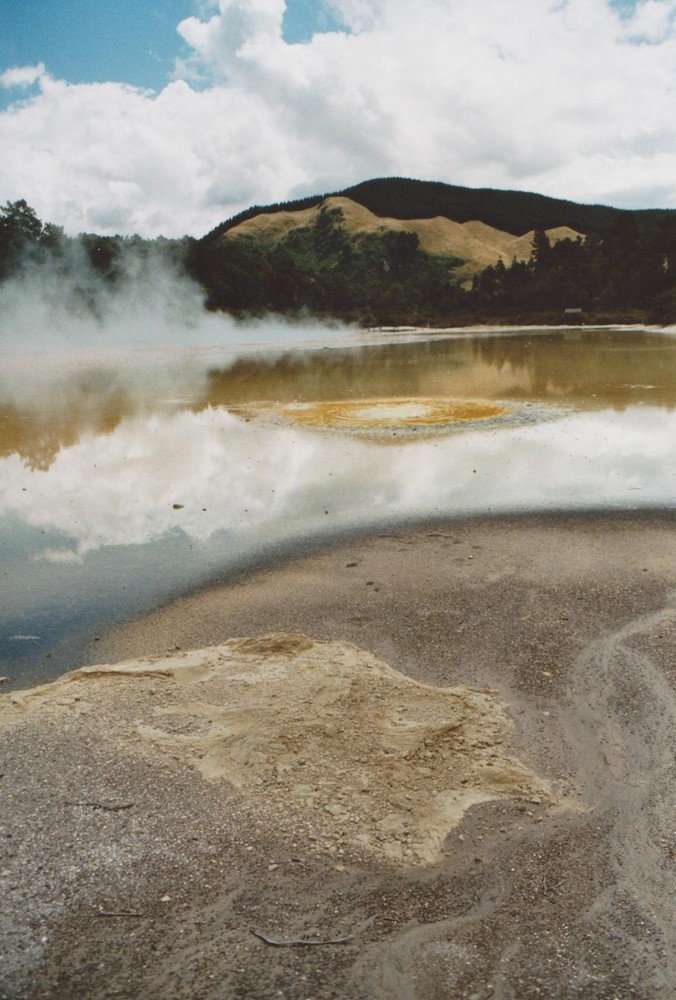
(322, 730)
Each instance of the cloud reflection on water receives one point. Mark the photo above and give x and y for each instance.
(211, 471)
(127, 479)
(48, 402)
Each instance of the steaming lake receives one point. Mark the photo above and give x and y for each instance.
(128, 478)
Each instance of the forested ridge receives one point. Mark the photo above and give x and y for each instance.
(622, 269)
(512, 211)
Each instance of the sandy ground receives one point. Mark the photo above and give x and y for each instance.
(443, 757)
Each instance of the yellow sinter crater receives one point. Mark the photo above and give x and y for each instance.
(399, 412)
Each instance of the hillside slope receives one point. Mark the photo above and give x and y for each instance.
(512, 211)
(364, 265)
(515, 212)
(476, 243)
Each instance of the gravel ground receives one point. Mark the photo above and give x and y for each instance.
(127, 874)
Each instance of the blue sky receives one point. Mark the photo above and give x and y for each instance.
(130, 41)
(93, 41)
(134, 41)
(168, 116)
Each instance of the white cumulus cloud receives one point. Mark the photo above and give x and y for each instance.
(21, 76)
(574, 98)
(651, 21)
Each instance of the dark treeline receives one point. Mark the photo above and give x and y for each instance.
(323, 269)
(624, 270)
(26, 243)
(516, 212)
(24, 239)
(385, 278)
(628, 275)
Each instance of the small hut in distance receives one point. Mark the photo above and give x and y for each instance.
(573, 317)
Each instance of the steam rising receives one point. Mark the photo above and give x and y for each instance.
(65, 305)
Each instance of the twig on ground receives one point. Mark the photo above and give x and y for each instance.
(118, 913)
(103, 805)
(300, 942)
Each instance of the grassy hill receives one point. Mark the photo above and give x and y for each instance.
(394, 250)
(474, 242)
(514, 212)
(397, 251)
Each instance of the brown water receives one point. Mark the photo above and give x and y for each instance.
(126, 479)
(47, 404)
(586, 368)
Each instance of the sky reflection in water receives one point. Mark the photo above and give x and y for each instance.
(123, 484)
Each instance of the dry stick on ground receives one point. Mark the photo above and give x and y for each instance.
(300, 942)
(102, 805)
(118, 913)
